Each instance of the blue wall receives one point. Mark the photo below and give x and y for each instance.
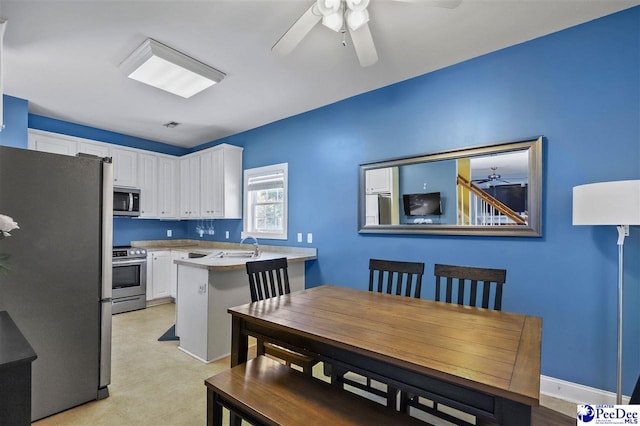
(15, 122)
(431, 177)
(580, 88)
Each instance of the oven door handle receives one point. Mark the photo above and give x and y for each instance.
(117, 263)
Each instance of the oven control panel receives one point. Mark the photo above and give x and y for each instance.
(129, 253)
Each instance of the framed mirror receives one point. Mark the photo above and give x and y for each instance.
(488, 190)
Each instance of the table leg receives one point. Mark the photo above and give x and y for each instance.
(214, 410)
(515, 413)
(239, 342)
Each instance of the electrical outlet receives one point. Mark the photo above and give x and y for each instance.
(299, 237)
(226, 235)
(309, 238)
(169, 232)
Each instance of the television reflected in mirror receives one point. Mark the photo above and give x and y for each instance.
(487, 190)
(422, 204)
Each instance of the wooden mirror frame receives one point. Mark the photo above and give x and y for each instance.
(534, 193)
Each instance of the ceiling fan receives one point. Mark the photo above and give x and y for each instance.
(342, 16)
(493, 177)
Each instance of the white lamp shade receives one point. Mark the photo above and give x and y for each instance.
(607, 203)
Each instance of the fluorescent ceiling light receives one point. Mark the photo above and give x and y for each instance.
(160, 66)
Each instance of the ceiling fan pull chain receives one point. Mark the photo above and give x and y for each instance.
(344, 36)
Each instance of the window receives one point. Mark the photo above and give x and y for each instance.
(265, 202)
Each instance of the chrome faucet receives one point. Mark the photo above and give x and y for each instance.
(256, 249)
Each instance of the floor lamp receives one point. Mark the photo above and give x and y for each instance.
(610, 203)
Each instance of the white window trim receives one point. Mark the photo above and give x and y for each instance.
(261, 171)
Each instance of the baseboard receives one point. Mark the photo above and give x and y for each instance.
(576, 393)
(161, 301)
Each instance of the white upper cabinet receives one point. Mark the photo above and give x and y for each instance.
(190, 187)
(167, 187)
(210, 195)
(206, 184)
(221, 194)
(378, 181)
(54, 145)
(148, 183)
(99, 150)
(125, 167)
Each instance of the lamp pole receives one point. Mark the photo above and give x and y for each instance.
(623, 230)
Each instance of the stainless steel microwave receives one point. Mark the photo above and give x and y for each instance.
(126, 201)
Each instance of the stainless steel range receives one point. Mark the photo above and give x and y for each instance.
(129, 279)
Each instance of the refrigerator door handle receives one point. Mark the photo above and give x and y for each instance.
(105, 342)
(107, 229)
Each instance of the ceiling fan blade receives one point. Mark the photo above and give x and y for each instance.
(364, 46)
(297, 32)
(449, 4)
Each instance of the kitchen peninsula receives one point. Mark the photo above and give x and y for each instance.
(207, 286)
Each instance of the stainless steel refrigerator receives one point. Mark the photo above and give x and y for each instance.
(58, 291)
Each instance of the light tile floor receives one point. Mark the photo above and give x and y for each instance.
(153, 383)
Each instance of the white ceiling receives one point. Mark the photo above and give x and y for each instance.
(63, 56)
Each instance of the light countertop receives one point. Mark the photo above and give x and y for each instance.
(293, 254)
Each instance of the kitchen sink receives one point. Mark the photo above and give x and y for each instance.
(247, 254)
(196, 255)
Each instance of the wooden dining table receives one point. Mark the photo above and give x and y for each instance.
(483, 362)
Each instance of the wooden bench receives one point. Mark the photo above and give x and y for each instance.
(265, 392)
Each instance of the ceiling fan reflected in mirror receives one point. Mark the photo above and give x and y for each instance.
(492, 178)
(343, 16)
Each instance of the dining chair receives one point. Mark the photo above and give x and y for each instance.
(390, 277)
(394, 277)
(268, 279)
(465, 285)
(462, 285)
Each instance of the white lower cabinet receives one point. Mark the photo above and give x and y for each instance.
(176, 255)
(161, 266)
(162, 273)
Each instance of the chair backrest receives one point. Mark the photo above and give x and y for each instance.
(393, 277)
(472, 286)
(268, 278)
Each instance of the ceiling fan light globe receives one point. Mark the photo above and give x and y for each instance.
(329, 7)
(335, 21)
(357, 5)
(356, 19)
